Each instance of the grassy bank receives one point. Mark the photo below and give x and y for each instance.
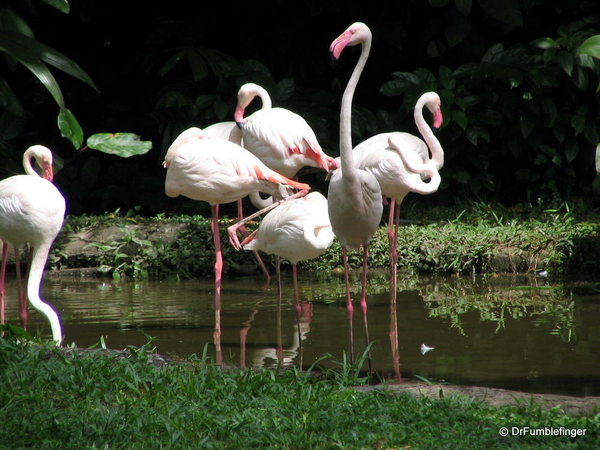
(70, 399)
(473, 238)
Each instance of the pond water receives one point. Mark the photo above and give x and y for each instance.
(519, 333)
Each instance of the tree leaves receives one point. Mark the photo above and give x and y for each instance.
(120, 144)
(590, 47)
(70, 128)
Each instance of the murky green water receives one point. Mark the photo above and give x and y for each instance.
(510, 332)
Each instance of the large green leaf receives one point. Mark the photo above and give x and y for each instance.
(16, 45)
(120, 144)
(19, 44)
(591, 47)
(70, 128)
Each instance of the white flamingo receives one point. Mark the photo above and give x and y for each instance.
(32, 211)
(400, 162)
(218, 171)
(355, 205)
(296, 230)
(280, 138)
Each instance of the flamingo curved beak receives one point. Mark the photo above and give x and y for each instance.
(47, 172)
(438, 119)
(339, 44)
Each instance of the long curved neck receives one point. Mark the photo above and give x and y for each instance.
(27, 163)
(347, 159)
(437, 152)
(34, 280)
(265, 98)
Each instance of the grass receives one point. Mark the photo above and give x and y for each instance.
(72, 399)
(464, 240)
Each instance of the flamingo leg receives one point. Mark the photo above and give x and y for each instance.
(279, 301)
(349, 305)
(390, 230)
(2, 281)
(218, 274)
(21, 291)
(232, 230)
(363, 300)
(244, 232)
(297, 306)
(394, 336)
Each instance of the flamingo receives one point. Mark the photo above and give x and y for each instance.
(297, 230)
(355, 206)
(399, 161)
(280, 138)
(32, 211)
(218, 171)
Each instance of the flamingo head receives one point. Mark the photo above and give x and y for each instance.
(434, 105)
(332, 163)
(245, 95)
(357, 33)
(47, 172)
(43, 156)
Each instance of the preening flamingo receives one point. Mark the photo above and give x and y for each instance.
(296, 230)
(280, 138)
(385, 156)
(355, 205)
(231, 132)
(218, 171)
(32, 211)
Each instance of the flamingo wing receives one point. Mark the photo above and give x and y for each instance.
(218, 171)
(284, 141)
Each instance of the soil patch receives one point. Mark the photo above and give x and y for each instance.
(496, 397)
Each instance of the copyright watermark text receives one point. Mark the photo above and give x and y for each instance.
(545, 431)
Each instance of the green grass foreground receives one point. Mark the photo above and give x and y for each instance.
(73, 399)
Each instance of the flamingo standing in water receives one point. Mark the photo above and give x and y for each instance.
(354, 198)
(32, 211)
(385, 156)
(218, 171)
(296, 230)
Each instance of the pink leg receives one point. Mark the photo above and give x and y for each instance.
(2, 281)
(363, 295)
(218, 274)
(390, 230)
(279, 351)
(349, 305)
(394, 336)
(233, 239)
(297, 306)
(244, 232)
(21, 291)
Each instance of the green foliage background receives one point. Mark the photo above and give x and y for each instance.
(518, 80)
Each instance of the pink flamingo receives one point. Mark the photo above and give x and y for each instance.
(218, 171)
(281, 139)
(382, 158)
(355, 205)
(32, 211)
(297, 230)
